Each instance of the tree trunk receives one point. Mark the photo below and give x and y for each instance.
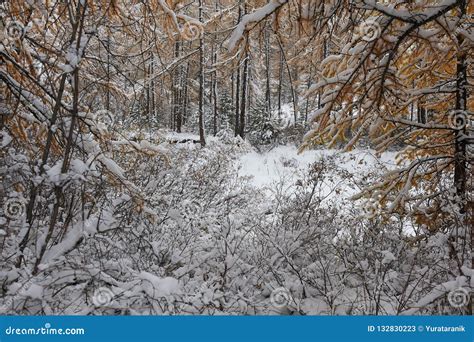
(280, 83)
(421, 114)
(268, 100)
(214, 94)
(308, 86)
(214, 82)
(243, 101)
(237, 89)
(460, 118)
(177, 114)
(290, 80)
(460, 142)
(237, 100)
(201, 83)
(184, 115)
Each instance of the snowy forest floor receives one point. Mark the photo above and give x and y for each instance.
(229, 229)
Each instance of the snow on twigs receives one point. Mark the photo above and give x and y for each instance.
(254, 17)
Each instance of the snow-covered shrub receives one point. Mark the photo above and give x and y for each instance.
(182, 233)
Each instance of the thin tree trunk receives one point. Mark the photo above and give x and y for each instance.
(308, 85)
(177, 115)
(460, 134)
(201, 83)
(237, 100)
(107, 104)
(268, 100)
(152, 90)
(214, 95)
(243, 101)
(58, 190)
(185, 95)
(460, 119)
(280, 82)
(290, 80)
(46, 150)
(237, 84)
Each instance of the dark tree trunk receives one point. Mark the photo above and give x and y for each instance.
(185, 94)
(243, 101)
(237, 89)
(237, 101)
(460, 133)
(177, 114)
(421, 113)
(268, 100)
(280, 83)
(201, 83)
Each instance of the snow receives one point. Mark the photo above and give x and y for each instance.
(33, 291)
(163, 225)
(5, 139)
(157, 287)
(284, 162)
(112, 166)
(254, 17)
(54, 173)
(58, 250)
(173, 136)
(286, 115)
(388, 257)
(169, 12)
(437, 292)
(408, 16)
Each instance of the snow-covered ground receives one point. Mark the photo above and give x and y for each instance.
(285, 163)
